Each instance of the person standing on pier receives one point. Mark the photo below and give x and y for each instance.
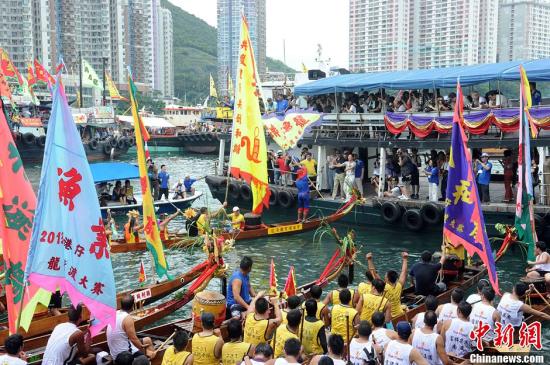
(359, 173)
(153, 173)
(432, 173)
(311, 167)
(164, 179)
(339, 175)
(349, 180)
(483, 172)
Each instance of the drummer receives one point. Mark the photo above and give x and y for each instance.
(540, 268)
(132, 227)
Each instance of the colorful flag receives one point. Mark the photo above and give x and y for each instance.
(8, 68)
(304, 68)
(27, 92)
(17, 205)
(69, 248)
(42, 74)
(525, 221)
(142, 275)
(151, 229)
(4, 86)
(113, 91)
(248, 150)
(213, 92)
(272, 280)
(287, 130)
(30, 75)
(147, 153)
(290, 285)
(463, 222)
(89, 76)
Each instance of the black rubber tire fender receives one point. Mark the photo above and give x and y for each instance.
(93, 144)
(273, 197)
(246, 193)
(390, 211)
(285, 199)
(233, 190)
(29, 138)
(209, 137)
(431, 213)
(41, 141)
(113, 142)
(412, 219)
(107, 148)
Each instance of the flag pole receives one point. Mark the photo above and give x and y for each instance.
(104, 59)
(80, 76)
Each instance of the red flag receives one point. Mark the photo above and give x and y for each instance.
(42, 74)
(4, 87)
(59, 68)
(19, 76)
(147, 153)
(142, 276)
(30, 75)
(8, 69)
(272, 280)
(290, 285)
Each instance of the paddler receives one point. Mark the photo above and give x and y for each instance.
(286, 331)
(428, 342)
(239, 290)
(67, 343)
(344, 318)
(375, 301)
(132, 228)
(323, 312)
(14, 354)
(176, 354)
(394, 283)
(400, 351)
(511, 307)
(302, 184)
(293, 302)
(314, 338)
(163, 224)
(203, 222)
(234, 351)
(336, 347)
(207, 344)
(333, 297)
(540, 268)
(258, 326)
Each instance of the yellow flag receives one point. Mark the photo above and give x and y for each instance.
(304, 68)
(113, 91)
(248, 149)
(89, 76)
(213, 92)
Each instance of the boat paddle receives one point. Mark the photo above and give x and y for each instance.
(531, 286)
(160, 348)
(347, 335)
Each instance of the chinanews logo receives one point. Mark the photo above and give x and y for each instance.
(528, 334)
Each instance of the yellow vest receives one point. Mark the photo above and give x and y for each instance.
(255, 330)
(234, 352)
(236, 221)
(320, 307)
(171, 357)
(310, 167)
(336, 297)
(203, 350)
(201, 223)
(282, 333)
(283, 316)
(372, 303)
(364, 288)
(339, 321)
(393, 293)
(310, 337)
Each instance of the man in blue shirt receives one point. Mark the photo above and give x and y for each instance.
(432, 172)
(483, 172)
(535, 94)
(239, 290)
(164, 177)
(359, 173)
(282, 104)
(188, 182)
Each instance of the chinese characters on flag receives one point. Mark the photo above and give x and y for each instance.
(287, 132)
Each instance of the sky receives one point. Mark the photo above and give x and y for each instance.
(298, 24)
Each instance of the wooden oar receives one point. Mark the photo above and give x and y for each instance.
(165, 342)
(540, 295)
(347, 336)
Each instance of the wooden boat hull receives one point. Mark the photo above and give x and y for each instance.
(162, 206)
(179, 241)
(45, 323)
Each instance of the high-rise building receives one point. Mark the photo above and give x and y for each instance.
(229, 25)
(166, 53)
(523, 30)
(378, 35)
(16, 31)
(42, 31)
(410, 34)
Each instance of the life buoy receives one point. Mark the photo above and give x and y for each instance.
(106, 149)
(93, 144)
(195, 137)
(29, 138)
(41, 141)
(273, 197)
(246, 192)
(121, 144)
(391, 212)
(431, 213)
(113, 142)
(233, 190)
(285, 199)
(413, 220)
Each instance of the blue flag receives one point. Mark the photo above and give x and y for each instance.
(463, 223)
(68, 248)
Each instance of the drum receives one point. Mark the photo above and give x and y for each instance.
(208, 301)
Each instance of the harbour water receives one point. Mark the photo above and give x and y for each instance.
(308, 257)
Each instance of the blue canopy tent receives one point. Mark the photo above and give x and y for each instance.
(111, 171)
(537, 70)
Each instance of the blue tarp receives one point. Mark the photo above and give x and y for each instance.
(537, 70)
(111, 171)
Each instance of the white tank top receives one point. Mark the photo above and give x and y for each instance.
(510, 310)
(379, 337)
(356, 354)
(482, 312)
(419, 323)
(542, 267)
(397, 353)
(448, 311)
(425, 343)
(58, 351)
(457, 338)
(116, 337)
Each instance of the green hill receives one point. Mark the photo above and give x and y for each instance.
(195, 55)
